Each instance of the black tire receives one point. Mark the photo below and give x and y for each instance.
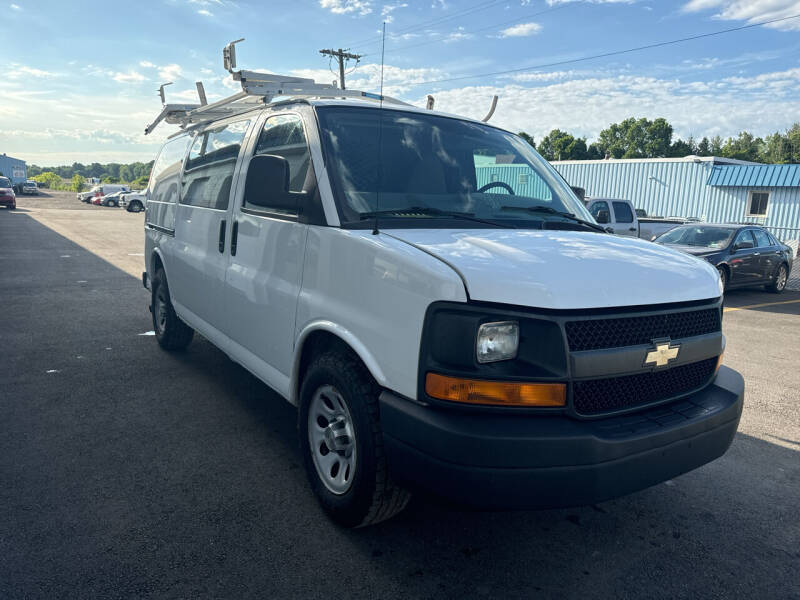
(135, 206)
(723, 275)
(779, 283)
(172, 333)
(13, 207)
(372, 496)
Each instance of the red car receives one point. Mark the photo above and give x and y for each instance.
(7, 196)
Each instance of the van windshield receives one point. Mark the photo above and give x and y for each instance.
(421, 168)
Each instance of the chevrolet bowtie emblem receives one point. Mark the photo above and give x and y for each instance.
(663, 354)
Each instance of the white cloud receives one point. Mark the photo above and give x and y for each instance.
(586, 105)
(205, 12)
(521, 30)
(129, 77)
(170, 72)
(457, 35)
(388, 9)
(751, 11)
(345, 7)
(553, 2)
(17, 71)
(15, 7)
(146, 64)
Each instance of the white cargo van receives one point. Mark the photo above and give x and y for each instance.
(439, 325)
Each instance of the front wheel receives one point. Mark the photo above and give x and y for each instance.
(779, 284)
(342, 442)
(135, 207)
(172, 333)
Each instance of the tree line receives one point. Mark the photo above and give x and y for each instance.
(135, 174)
(643, 138)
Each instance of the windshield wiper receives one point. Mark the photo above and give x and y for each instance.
(552, 211)
(431, 212)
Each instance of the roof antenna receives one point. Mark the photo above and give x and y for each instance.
(491, 110)
(380, 136)
(161, 91)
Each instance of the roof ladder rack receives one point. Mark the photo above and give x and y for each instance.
(258, 89)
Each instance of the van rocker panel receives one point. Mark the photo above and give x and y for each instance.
(537, 461)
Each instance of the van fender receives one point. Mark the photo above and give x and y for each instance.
(346, 336)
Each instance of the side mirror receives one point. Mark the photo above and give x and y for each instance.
(603, 217)
(743, 245)
(267, 183)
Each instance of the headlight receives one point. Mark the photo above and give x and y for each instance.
(497, 341)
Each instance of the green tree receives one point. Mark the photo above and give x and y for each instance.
(110, 179)
(77, 182)
(528, 138)
(140, 182)
(49, 179)
(637, 138)
(560, 145)
(744, 147)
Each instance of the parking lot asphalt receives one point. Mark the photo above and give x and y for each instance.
(129, 472)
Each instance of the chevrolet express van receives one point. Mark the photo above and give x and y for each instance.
(439, 305)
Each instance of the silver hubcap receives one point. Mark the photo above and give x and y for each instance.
(160, 309)
(781, 278)
(332, 439)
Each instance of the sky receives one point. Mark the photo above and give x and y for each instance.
(80, 77)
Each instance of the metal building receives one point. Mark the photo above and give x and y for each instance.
(13, 168)
(718, 190)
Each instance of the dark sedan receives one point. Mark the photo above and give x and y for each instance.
(745, 255)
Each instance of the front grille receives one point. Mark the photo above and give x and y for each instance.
(597, 396)
(594, 334)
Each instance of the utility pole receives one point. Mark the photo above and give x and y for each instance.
(341, 56)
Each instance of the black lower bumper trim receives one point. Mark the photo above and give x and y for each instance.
(530, 461)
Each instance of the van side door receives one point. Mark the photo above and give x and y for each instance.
(197, 273)
(267, 249)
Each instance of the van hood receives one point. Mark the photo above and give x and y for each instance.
(566, 269)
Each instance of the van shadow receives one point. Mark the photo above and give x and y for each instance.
(735, 515)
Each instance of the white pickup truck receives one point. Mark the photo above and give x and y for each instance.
(620, 216)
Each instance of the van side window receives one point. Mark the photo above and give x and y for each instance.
(283, 136)
(208, 174)
(164, 178)
(622, 212)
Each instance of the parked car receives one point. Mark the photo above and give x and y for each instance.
(133, 201)
(7, 196)
(485, 343)
(30, 187)
(623, 219)
(112, 199)
(101, 190)
(744, 255)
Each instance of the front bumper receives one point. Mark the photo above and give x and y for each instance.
(537, 461)
(8, 201)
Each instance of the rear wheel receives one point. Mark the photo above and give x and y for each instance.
(172, 333)
(779, 284)
(135, 206)
(342, 442)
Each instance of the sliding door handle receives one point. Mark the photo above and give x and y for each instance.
(234, 237)
(222, 235)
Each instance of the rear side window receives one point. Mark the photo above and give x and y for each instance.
(744, 236)
(208, 174)
(164, 177)
(623, 212)
(762, 239)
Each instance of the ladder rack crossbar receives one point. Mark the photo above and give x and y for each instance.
(257, 89)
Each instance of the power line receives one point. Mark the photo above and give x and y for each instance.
(607, 54)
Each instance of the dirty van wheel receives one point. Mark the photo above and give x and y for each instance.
(342, 442)
(171, 333)
(779, 283)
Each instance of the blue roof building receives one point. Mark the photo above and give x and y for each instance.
(718, 190)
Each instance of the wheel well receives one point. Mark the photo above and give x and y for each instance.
(315, 344)
(156, 262)
(725, 268)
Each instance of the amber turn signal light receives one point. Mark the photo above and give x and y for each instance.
(719, 362)
(498, 393)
